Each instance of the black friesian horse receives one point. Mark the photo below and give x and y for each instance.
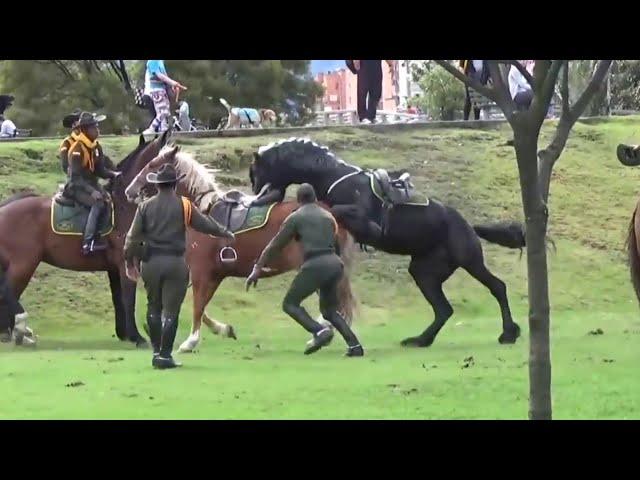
(437, 237)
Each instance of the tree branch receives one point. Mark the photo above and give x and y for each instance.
(470, 82)
(541, 100)
(503, 96)
(525, 73)
(549, 156)
(564, 88)
(594, 84)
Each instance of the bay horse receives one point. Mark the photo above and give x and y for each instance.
(630, 156)
(205, 253)
(437, 237)
(27, 239)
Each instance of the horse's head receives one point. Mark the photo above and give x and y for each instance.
(198, 180)
(295, 160)
(140, 158)
(259, 172)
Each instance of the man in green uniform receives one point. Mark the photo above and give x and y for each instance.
(86, 164)
(160, 223)
(322, 269)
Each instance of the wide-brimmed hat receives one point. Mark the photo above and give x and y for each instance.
(166, 174)
(87, 119)
(69, 120)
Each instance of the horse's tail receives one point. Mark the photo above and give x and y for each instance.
(510, 235)
(634, 258)
(347, 300)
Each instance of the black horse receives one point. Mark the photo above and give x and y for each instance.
(437, 237)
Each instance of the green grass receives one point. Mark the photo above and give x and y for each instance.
(265, 375)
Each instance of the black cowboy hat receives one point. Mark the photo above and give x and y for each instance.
(166, 174)
(69, 120)
(628, 155)
(5, 102)
(87, 119)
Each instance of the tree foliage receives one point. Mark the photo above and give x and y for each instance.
(46, 90)
(443, 95)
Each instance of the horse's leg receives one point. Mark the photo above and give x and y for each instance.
(429, 273)
(219, 328)
(478, 270)
(116, 298)
(20, 274)
(129, 304)
(203, 289)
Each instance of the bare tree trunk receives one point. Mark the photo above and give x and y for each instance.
(536, 214)
(550, 155)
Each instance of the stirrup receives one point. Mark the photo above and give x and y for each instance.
(228, 260)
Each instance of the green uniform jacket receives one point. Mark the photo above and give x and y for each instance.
(81, 178)
(160, 223)
(312, 225)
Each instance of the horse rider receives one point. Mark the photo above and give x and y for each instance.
(316, 229)
(87, 163)
(69, 122)
(157, 238)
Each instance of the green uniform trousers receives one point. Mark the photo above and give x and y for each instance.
(321, 273)
(166, 278)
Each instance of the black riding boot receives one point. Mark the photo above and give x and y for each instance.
(154, 321)
(89, 243)
(321, 336)
(169, 330)
(355, 349)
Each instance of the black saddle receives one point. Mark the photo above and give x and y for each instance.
(232, 210)
(395, 191)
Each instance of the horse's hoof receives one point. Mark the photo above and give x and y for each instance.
(509, 336)
(142, 344)
(231, 333)
(416, 342)
(5, 337)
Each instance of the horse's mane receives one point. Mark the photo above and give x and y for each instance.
(18, 196)
(198, 177)
(301, 152)
(124, 164)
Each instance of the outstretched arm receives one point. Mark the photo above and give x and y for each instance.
(204, 224)
(283, 237)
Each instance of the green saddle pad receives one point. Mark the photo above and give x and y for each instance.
(71, 220)
(240, 219)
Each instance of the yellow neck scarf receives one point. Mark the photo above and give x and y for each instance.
(87, 157)
(81, 137)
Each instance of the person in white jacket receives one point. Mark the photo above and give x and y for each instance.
(7, 128)
(519, 88)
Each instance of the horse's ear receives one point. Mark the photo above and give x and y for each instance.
(256, 157)
(175, 149)
(142, 140)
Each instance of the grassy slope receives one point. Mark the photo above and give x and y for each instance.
(591, 202)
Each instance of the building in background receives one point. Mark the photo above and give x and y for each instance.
(341, 89)
(407, 86)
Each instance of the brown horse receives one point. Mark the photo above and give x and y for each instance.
(205, 253)
(27, 239)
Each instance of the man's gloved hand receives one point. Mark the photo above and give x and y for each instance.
(252, 280)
